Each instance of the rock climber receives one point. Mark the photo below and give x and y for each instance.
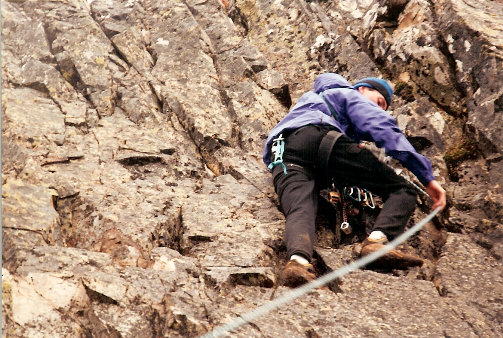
(357, 113)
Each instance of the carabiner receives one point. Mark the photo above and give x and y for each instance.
(364, 193)
(371, 199)
(351, 191)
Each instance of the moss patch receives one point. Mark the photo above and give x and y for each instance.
(405, 91)
(464, 150)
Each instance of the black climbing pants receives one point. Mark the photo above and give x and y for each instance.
(349, 165)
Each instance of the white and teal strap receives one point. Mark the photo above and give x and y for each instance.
(278, 147)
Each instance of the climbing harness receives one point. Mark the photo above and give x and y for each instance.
(362, 196)
(319, 282)
(356, 194)
(278, 148)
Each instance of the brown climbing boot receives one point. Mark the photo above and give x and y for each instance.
(295, 274)
(394, 259)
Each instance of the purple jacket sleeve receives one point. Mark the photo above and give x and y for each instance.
(371, 123)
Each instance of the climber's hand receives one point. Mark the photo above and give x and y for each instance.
(437, 194)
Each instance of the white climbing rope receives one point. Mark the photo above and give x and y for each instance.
(323, 280)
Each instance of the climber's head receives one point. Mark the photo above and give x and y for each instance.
(376, 90)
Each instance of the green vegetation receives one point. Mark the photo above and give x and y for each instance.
(404, 90)
(465, 149)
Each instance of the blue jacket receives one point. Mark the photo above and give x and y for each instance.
(357, 117)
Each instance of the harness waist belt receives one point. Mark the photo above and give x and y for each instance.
(325, 149)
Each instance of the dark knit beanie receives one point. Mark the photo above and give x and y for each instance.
(382, 86)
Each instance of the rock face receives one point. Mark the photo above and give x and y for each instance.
(134, 199)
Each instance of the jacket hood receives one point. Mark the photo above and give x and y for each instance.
(329, 81)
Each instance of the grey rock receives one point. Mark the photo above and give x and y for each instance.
(466, 36)
(30, 208)
(135, 200)
(345, 314)
(461, 269)
(88, 282)
(216, 235)
(29, 121)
